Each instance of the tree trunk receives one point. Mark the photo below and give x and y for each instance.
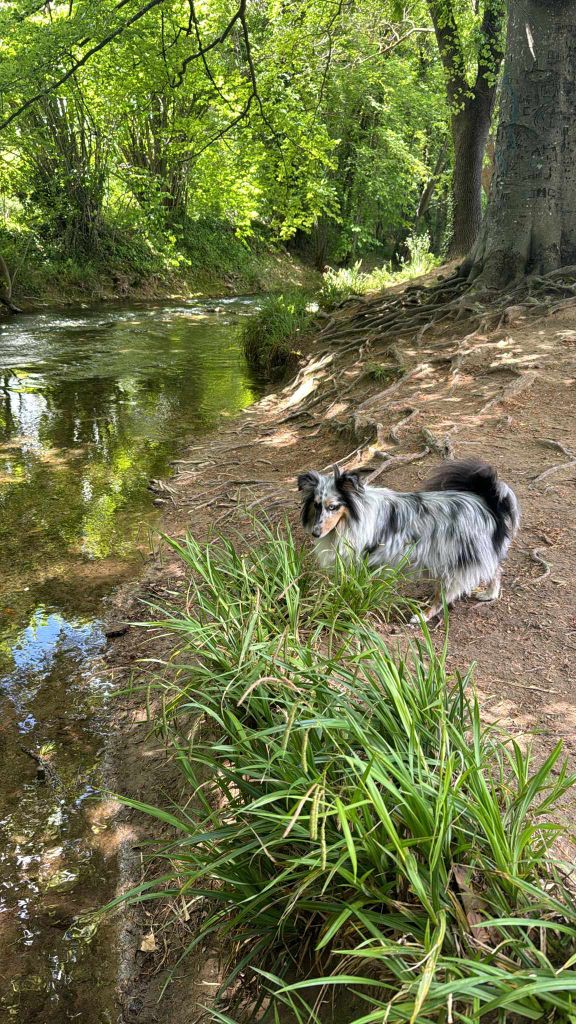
(470, 128)
(6, 298)
(488, 165)
(428, 190)
(530, 226)
(472, 106)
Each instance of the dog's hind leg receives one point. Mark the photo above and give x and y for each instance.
(431, 611)
(492, 591)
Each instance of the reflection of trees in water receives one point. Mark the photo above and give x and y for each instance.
(6, 417)
(102, 437)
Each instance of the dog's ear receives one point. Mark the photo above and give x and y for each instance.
(309, 481)
(350, 481)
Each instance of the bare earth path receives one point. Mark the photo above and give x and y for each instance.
(508, 397)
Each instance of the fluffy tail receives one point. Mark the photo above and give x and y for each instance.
(475, 477)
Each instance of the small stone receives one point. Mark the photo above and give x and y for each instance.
(148, 944)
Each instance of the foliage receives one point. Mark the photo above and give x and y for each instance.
(339, 285)
(379, 372)
(270, 337)
(299, 121)
(348, 821)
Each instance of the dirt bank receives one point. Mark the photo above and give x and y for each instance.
(398, 407)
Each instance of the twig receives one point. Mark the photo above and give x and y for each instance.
(537, 557)
(530, 686)
(552, 470)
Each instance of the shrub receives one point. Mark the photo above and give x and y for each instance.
(340, 285)
(270, 338)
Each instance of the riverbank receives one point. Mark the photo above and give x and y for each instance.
(41, 284)
(397, 406)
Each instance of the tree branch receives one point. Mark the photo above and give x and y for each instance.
(203, 50)
(79, 63)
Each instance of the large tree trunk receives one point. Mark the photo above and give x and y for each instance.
(530, 226)
(470, 129)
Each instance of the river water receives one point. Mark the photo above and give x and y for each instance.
(92, 405)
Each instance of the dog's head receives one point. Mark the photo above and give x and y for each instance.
(329, 500)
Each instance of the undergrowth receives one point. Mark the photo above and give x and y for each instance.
(271, 337)
(350, 825)
(205, 256)
(346, 282)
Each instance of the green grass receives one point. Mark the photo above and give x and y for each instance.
(346, 282)
(350, 825)
(380, 373)
(271, 337)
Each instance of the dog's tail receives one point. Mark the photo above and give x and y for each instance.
(475, 477)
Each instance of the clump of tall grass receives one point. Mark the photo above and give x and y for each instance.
(350, 823)
(346, 282)
(270, 338)
(245, 608)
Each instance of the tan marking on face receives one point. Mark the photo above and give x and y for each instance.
(332, 519)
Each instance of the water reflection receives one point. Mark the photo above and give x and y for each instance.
(91, 407)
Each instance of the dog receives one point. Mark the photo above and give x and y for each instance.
(457, 530)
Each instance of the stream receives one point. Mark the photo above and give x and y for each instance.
(92, 405)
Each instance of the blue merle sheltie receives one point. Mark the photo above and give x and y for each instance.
(456, 531)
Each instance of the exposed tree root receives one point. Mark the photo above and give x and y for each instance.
(552, 470)
(394, 431)
(396, 460)
(444, 448)
(457, 300)
(525, 381)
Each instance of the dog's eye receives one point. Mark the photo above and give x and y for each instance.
(333, 508)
